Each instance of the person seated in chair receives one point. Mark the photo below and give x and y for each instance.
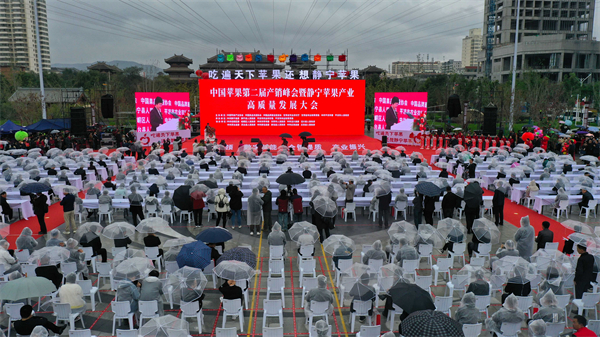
(264, 169)
(49, 271)
(212, 162)
(586, 196)
(52, 171)
(231, 291)
(151, 240)
(81, 172)
(28, 322)
(480, 286)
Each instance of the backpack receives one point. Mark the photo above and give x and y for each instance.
(221, 203)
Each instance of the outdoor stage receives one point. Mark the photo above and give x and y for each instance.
(347, 143)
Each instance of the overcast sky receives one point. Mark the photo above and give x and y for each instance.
(375, 32)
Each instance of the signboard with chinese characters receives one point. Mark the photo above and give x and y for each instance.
(277, 74)
(147, 138)
(398, 110)
(156, 111)
(272, 107)
(398, 137)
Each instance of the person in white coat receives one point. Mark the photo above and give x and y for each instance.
(525, 238)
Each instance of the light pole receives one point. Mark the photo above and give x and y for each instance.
(514, 73)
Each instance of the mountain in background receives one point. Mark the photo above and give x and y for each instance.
(150, 70)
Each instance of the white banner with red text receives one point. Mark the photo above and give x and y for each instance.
(149, 137)
(401, 137)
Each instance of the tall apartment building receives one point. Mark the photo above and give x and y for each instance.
(407, 68)
(18, 45)
(555, 38)
(471, 45)
(451, 67)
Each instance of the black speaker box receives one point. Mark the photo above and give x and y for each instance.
(107, 103)
(454, 107)
(383, 140)
(78, 122)
(310, 140)
(254, 140)
(490, 118)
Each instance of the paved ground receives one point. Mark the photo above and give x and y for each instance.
(363, 231)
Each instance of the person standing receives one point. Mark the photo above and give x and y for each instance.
(68, 204)
(391, 115)
(471, 168)
(584, 272)
(498, 204)
(255, 204)
(156, 117)
(544, 236)
(40, 208)
(267, 207)
(384, 208)
(524, 237)
(449, 203)
(350, 190)
(429, 209)
(296, 201)
(197, 206)
(222, 207)
(472, 207)
(235, 202)
(135, 205)
(282, 205)
(417, 208)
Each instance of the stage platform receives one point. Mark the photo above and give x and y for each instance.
(346, 143)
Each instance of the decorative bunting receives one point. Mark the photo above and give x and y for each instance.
(317, 58)
(220, 58)
(239, 57)
(271, 58)
(329, 58)
(293, 58)
(230, 58)
(304, 57)
(248, 57)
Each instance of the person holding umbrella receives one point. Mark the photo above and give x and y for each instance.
(276, 237)
(231, 291)
(267, 207)
(467, 313)
(473, 199)
(417, 208)
(362, 291)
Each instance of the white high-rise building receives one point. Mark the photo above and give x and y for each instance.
(471, 45)
(18, 46)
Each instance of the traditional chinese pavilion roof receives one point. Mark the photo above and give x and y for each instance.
(178, 59)
(104, 68)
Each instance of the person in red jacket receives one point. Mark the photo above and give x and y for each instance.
(297, 205)
(197, 205)
(579, 324)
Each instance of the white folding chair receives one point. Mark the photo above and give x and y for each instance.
(127, 333)
(591, 207)
(13, 310)
(425, 251)
(563, 207)
(477, 261)
(443, 265)
(306, 252)
(369, 331)
(153, 253)
(28, 270)
(89, 257)
(233, 308)
(276, 267)
(276, 285)
(307, 267)
(208, 271)
(482, 303)
(350, 209)
(551, 245)
(171, 267)
(151, 210)
(148, 310)
(211, 211)
(437, 210)
(307, 284)
(63, 312)
(459, 251)
(117, 250)
(121, 310)
(167, 211)
(104, 210)
(188, 214)
(375, 265)
(177, 332)
(68, 267)
(525, 304)
(510, 329)
(80, 333)
(530, 200)
(226, 332)
(443, 304)
(484, 250)
(105, 271)
(192, 309)
(410, 266)
(396, 310)
(424, 282)
(400, 207)
(365, 249)
(472, 330)
(555, 329)
(276, 252)
(22, 255)
(497, 283)
(487, 207)
(318, 309)
(343, 264)
(346, 285)
(272, 308)
(361, 308)
(587, 302)
(594, 325)
(91, 291)
(273, 332)
(563, 302)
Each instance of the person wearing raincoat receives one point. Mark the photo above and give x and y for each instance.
(276, 237)
(362, 292)
(121, 192)
(405, 252)
(509, 313)
(127, 291)
(517, 285)
(105, 199)
(508, 249)
(153, 170)
(562, 195)
(545, 175)
(467, 313)
(26, 240)
(218, 175)
(77, 255)
(190, 180)
(421, 174)
(376, 253)
(135, 205)
(152, 290)
(152, 200)
(7, 260)
(72, 294)
(255, 212)
(537, 328)
(531, 188)
(401, 196)
(319, 294)
(167, 200)
(525, 238)
(549, 311)
(480, 286)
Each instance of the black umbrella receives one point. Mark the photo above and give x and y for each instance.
(432, 324)
(428, 188)
(290, 178)
(473, 193)
(410, 297)
(305, 134)
(285, 135)
(34, 188)
(209, 184)
(181, 198)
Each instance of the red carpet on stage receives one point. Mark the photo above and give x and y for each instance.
(346, 143)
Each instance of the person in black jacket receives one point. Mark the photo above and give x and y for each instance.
(513, 179)
(584, 272)
(479, 287)
(152, 240)
(92, 240)
(81, 172)
(498, 205)
(518, 285)
(49, 271)
(52, 171)
(443, 173)
(417, 208)
(267, 207)
(429, 208)
(40, 208)
(6, 209)
(471, 168)
(544, 236)
(28, 322)
(306, 173)
(450, 202)
(384, 208)
(122, 242)
(586, 196)
(231, 291)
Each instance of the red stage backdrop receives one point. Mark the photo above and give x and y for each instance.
(172, 103)
(411, 105)
(273, 107)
